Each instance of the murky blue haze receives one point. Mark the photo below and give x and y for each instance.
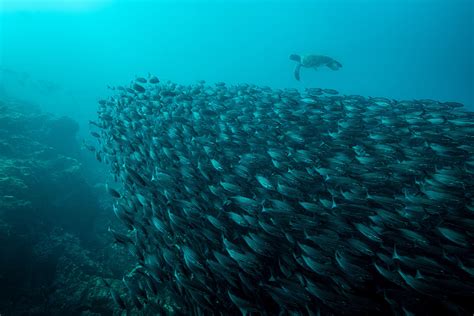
(399, 49)
(370, 202)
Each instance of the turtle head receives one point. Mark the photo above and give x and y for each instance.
(295, 57)
(334, 65)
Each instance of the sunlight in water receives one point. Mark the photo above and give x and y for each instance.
(51, 5)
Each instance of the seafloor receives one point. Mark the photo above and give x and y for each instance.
(54, 245)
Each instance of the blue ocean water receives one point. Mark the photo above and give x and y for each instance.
(369, 202)
(402, 49)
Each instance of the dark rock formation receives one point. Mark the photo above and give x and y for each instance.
(53, 253)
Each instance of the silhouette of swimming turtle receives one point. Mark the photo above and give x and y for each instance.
(313, 61)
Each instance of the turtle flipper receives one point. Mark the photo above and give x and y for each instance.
(296, 72)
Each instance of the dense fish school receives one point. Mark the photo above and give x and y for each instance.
(250, 200)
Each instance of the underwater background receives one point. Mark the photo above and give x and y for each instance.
(399, 49)
(59, 58)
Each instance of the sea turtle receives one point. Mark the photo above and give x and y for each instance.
(313, 61)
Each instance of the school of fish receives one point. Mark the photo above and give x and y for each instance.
(257, 201)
